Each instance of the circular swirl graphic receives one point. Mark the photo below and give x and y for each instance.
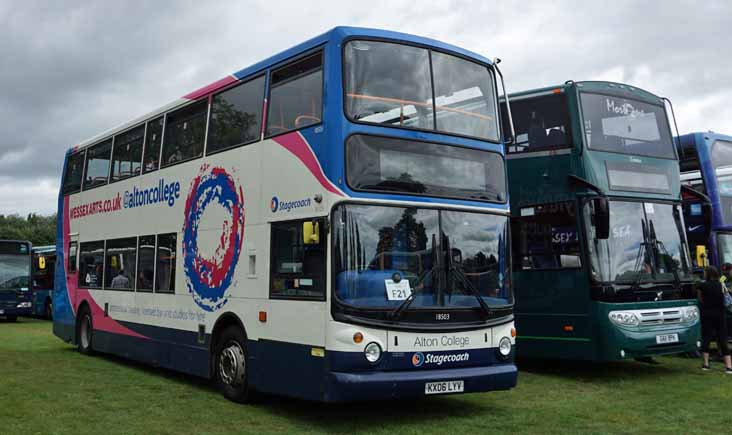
(208, 278)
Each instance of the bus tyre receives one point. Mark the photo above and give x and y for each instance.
(12, 319)
(85, 332)
(230, 365)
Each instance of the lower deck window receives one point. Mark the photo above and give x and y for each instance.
(546, 237)
(297, 268)
(165, 277)
(91, 265)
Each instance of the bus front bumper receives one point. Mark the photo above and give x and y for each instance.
(15, 311)
(346, 387)
(641, 343)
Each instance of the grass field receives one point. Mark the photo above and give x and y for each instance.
(46, 387)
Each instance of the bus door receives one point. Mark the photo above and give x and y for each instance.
(550, 281)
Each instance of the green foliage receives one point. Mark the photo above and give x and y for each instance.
(40, 230)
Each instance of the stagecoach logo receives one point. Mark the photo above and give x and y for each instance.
(418, 359)
(209, 277)
(274, 204)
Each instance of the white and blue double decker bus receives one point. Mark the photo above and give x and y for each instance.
(330, 223)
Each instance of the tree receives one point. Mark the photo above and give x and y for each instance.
(39, 230)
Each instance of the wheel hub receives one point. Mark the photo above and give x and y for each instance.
(232, 365)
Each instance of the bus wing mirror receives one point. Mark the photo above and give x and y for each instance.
(602, 217)
(701, 256)
(310, 233)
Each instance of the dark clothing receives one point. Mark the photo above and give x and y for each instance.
(713, 316)
(714, 326)
(712, 298)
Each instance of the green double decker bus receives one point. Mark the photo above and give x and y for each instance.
(601, 268)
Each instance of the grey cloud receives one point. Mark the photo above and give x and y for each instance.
(71, 69)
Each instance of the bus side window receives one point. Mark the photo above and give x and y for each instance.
(73, 175)
(72, 256)
(296, 96)
(127, 153)
(297, 269)
(185, 130)
(165, 263)
(546, 237)
(97, 164)
(541, 123)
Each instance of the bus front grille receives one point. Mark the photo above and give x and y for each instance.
(660, 317)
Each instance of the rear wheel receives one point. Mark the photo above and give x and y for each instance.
(12, 319)
(85, 332)
(230, 365)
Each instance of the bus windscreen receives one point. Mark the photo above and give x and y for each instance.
(621, 125)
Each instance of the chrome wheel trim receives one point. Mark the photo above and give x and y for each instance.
(232, 364)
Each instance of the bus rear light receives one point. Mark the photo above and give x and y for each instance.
(357, 337)
(568, 328)
(263, 316)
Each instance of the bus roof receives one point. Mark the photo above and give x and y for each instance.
(335, 34)
(44, 249)
(592, 84)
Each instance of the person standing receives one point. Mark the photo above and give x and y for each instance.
(713, 317)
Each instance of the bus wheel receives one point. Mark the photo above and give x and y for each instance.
(12, 319)
(48, 310)
(85, 332)
(230, 364)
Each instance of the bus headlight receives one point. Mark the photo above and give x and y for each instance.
(504, 347)
(691, 314)
(372, 352)
(624, 318)
(24, 305)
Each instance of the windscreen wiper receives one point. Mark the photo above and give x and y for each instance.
(473, 291)
(397, 313)
(464, 279)
(639, 259)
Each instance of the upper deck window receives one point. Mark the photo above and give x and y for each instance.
(73, 175)
(296, 96)
(153, 139)
(127, 154)
(236, 116)
(185, 130)
(97, 164)
(722, 161)
(541, 123)
(622, 125)
(405, 86)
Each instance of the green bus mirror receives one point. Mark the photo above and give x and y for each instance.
(602, 217)
(310, 233)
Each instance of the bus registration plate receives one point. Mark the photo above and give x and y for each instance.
(667, 338)
(444, 387)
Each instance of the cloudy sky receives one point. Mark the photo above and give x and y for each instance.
(69, 70)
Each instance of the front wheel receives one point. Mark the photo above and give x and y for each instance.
(230, 365)
(85, 332)
(12, 319)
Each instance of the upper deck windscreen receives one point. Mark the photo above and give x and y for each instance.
(627, 126)
(413, 87)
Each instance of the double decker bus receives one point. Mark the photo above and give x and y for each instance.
(706, 169)
(44, 272)
(600, 258)
(330, 223)
(15, 273)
